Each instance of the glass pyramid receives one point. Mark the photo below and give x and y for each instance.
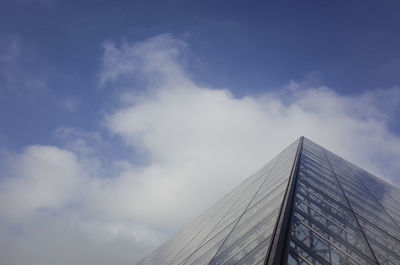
(306, 206)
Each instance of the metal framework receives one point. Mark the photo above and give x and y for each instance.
(340, 214)
(306, 206)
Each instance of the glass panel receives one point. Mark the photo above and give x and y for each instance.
(246, 208)
(376, 207)
(324, 228)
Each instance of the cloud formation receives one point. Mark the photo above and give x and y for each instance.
(195, 143)
(42, 178)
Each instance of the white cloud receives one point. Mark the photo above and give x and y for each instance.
(201, 140)
(156, 60)
(198, 142)
(41, 178)
(45, 219)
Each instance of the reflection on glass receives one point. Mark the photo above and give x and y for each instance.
(341, 214)
(237, 229)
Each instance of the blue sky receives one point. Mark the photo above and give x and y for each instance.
(347, 46)
(116, 115)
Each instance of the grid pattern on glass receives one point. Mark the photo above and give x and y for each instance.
(324, 228)
(237, 228)
(341, 214)
(375, 204)
(354, 213)
(256, 224)
(188, 239)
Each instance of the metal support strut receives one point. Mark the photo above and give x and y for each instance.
(276, 251)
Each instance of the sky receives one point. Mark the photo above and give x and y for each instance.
(121, 121)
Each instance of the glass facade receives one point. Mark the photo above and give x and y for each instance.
(335, 212)
(341, 214)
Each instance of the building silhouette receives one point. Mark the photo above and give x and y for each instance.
(306, 206)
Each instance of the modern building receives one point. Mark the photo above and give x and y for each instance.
(306, 206)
